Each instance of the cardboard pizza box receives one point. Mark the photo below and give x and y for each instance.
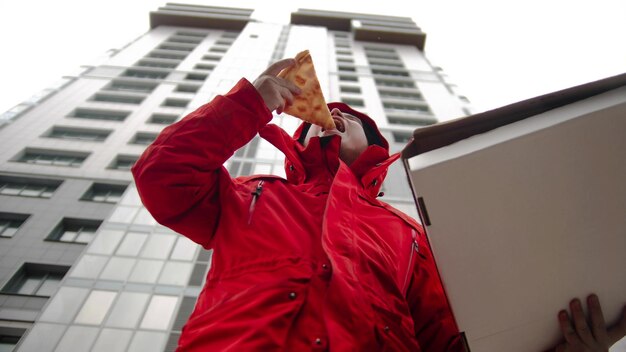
(525, 209)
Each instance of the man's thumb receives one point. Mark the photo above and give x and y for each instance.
(278, 66)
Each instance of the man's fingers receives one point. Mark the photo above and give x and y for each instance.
(598, 325)
(618, 331)
(580, 322)
(278, 66)
(294, 89)
(567, 329)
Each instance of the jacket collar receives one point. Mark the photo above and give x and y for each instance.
(370, 168)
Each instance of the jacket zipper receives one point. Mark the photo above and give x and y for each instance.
(409, 269)
(255, 196)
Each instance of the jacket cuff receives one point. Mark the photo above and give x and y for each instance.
(246, 95)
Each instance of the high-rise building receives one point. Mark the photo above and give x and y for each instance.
(84, 267)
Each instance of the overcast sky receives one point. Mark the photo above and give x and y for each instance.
(497, 52)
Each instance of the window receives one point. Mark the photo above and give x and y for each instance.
(162, 119)
(386, 56)
(94, 114)
(123, 162)
(157, 63)
(345, 59)
(353, 102)
(217, 49)
(342, 52)
(204, 67)
(10, 223)
(176, 47)
(403, 95)
(406, 107)
(143, 138)
(402, 137)
(390, 73)
(348, 78)
(145, 73)
(74, 231)
(211, 58)
(166, 55)
(392, 83)
(176, 103)
(196, 76)
(124, 86)
(36, 279)
(380, 49)
(9, 338)
(412, 120)
(184, 40)
(224, 42)
(192, 34)
(187, 88)
(347, 69)
(53, 158)
(118, 98)
(80, 134)
(386, 63)
(104, 193)
(348, 89)
(25, 187)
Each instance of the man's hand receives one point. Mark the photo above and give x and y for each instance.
(277, 93)
(580, 336)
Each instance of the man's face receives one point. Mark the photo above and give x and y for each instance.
(349, 128)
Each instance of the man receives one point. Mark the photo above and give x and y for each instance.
(310, 262)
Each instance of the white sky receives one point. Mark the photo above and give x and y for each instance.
(497, 52)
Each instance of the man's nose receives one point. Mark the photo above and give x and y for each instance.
(336, 111)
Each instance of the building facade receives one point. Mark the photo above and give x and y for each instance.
(84, 267)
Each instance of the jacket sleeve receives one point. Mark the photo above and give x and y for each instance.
(435, 326)
(180, 176)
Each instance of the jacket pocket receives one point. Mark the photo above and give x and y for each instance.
(256, 194)
(414, 251)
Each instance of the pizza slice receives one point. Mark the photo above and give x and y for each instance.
(309, 105)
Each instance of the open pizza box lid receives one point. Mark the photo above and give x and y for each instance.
(525, 209)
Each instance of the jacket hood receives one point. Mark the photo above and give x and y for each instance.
(370, 167)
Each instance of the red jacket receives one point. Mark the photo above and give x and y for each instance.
(313, 262)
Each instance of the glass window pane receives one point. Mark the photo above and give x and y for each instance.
(262, 169)
(146, 271)
(144, 218)
(64, 305)
(96, 307)
(175, 273)
(49, 286)
(124, 214)
(131, 197)
(112, 340)
(185, 249)
(30, 285)
(77, 338)
(118, 269)
(85, 237)
(89, 266)
(105, 242)
(159, 312)
(132, 243)
(158, 246)
(68, 236)
(127, 310)
(41, 337)
(145, 341)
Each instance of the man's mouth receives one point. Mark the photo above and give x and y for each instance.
(339, 124)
